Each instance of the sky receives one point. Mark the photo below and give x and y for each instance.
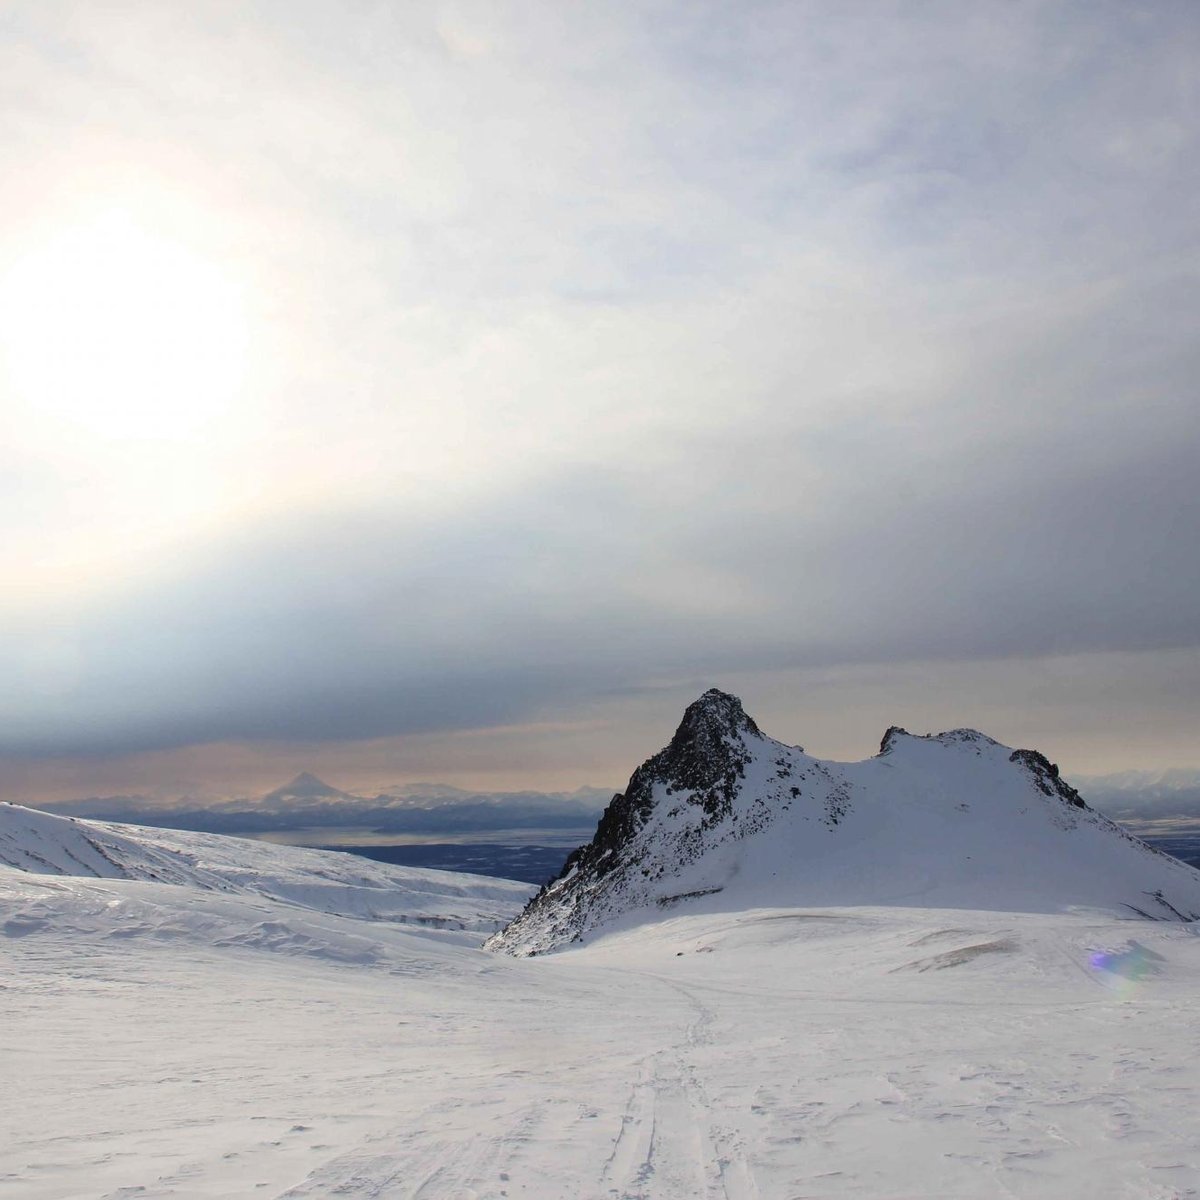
(453, 391)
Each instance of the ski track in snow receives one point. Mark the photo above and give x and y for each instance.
(668, 1141)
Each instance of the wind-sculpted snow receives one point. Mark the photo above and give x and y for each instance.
(725, 818)
(346, 884)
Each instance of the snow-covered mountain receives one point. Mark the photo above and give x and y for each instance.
(725, 818)
(193, 1016)
(344, 884)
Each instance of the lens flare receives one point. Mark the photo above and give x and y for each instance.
(1123, 970)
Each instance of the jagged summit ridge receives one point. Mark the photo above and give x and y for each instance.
(949, 737)
(701, 766)
(725, 815)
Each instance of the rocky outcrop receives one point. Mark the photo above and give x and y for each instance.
(692, 786)
(1045, 775)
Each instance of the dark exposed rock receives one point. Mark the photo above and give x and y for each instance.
(1046, 777)
(668, 901)
(949, 737)
(705, 758)
(700, 770)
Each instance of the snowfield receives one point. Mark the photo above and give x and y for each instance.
(164, 1041)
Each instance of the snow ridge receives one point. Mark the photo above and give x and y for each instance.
(41, 843)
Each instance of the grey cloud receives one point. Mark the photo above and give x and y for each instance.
(779, 336)
(374, 623)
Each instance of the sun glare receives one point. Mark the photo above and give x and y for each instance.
(112, 332)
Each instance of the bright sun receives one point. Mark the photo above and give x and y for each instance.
(111, 332)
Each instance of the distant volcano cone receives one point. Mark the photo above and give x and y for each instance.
(305, 786)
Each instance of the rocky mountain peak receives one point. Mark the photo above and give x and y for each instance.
(677, 803)
(707, 754)
(725, 817)
(713, 716)
(705, 757)
(699, 770)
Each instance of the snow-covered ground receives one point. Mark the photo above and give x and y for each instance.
(461, 906)
(168, 1040)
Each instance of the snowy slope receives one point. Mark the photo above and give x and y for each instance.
(42, 843)
(726, 818)
(163, 1041)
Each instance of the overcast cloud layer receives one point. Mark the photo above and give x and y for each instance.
(598, 352)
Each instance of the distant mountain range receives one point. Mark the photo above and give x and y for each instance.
(307, 801)
(1146, 800)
